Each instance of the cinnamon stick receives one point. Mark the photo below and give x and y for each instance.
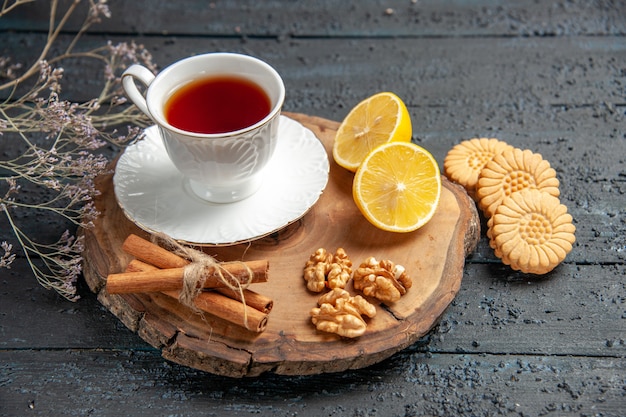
(253, 299)
(172, 278)
(135, 265)
(228, 309)
(151, 253)
(221, 305)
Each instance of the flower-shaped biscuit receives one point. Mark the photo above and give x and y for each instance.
(492, 240)
(511, 171)
(465, 160)
(532, 231)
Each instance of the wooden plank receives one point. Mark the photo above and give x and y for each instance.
(567, 312)
(32, 317)
(331, 74)
(392, 18)
(110, 382)
(577, 310)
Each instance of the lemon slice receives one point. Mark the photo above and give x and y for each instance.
(378, 119)
(397, 187)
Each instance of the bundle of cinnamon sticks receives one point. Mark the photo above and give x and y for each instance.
(156, 269)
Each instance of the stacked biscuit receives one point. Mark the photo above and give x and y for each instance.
(517, 190)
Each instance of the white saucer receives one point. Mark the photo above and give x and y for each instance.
(155, 196)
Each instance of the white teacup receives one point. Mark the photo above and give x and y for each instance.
(221, 167)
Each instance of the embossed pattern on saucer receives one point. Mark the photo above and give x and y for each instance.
(155, 196)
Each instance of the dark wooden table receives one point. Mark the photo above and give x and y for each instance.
(545, 75)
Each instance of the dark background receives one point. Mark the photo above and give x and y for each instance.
(549, 76)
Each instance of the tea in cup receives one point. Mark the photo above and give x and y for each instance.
(218, 116)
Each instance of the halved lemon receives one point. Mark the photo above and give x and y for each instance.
(397, 187)
(378, 119)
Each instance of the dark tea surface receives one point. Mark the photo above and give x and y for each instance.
(217, 104)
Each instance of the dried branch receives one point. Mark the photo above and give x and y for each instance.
(62, 140)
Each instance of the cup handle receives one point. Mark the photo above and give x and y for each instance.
(146, 77)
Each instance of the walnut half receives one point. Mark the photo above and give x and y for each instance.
(342, 314)
(324, 269)
(382, 280)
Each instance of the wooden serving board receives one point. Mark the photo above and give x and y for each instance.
(434, 257)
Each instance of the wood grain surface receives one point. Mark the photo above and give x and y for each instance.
(434, 256)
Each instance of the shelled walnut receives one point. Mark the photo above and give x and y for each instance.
(342, 314)
(382, 280)
(340, 270)
(326, 270)
(315, 270)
